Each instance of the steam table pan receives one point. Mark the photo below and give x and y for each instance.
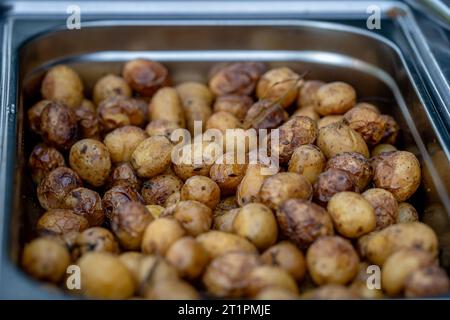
(391, 67)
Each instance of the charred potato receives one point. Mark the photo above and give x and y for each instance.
(201, 189)
(308, 161)
(355, 164)
(287, 256)
(385, 205)
(110, 86)
(237, 105)
(60, 221)
(145, 77)
(117, 196)
(43, 160)
(335, 98)
(158, 189)
(366, 122)
(149, 163)
(119, 111)
(280, 84)
(58, 126)
(122, 141)
(332, 181)
(86, 203)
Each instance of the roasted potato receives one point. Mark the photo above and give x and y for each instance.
(117, 196)
(166, 105)
(158, 189)
(391, 130)
(406, 213)
(34, 115)
(335, 98)
(201, 189)
(330, 292)
(149, 163)
(280, 85)
(145, 77)
(108, 86)
(58, 126)
(60, 221)
(88, 122)
(265, 114)
(381, 148)
(172, 290)
(43, 160)
(122, 142)
(222, 121)
(355, 164)
(427, 282)
(309, 112)
(366, 122)
(160, 234)
(228, 173)
(218, 243)
(223, 221)
(237, 105)
(86, 203)
(308, 161)
(263, 277)
(161, 127)
(123, 174)
(119, 111)
(195, 217)
(250, 186)
(385, 205)
(325, 121)
(287, 256)
(94, 239)
(332, 181)
(307, 95)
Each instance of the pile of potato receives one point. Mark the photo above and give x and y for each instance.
(139, 225)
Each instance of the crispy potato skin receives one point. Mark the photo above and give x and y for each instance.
(195, 217)
(308, 161)
(265, 114)
(158, 189)
(123, 174)
(228, 173)
(58, 126)
(366, 122)
(117, 196)
(86, 203)
(355, 164)
(202, 189)
(43, 160)
(391, 130)
(118, 111)
(332, 181)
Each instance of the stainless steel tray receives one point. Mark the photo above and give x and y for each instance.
(385, 67)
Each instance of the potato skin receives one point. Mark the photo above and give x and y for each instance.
(58, 126)
(332, 260)
(122, 141)
(160, 234)
(108, 86)
(218, 243)
(303, 222)
(399, 172)
(427, 282)
(195, 217)
(406, 213)
(237, 105)
(279, 84)
(385, 205)
(222, 121)
(60, 221)
(88, 121)
(63, 85)
(166, 105)
(228, 173)
(123, 174)
(335, 98)
(86, 203)
(94, 239)
(264, 276)
(201, 189)
(287, 256)
(149, 163)
(145, 77)
(352, 214)
(355, 164)
(324, 121)
(90, 159)
(34, 115)
(119, 111)
(117, 196)
(223, 221)
(308, 161)
(265, 114)
(43, 160)
(366, 122)
(158, 189)
(338, 137)
(332, 181)
(307, 95)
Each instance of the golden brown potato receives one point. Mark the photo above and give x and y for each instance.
(303, 222)
(226, 275)
(94, 239)
(248, 189)
(228, 173)
(166, 105)
(338, 137)
(43, 160)
(379, 246)
(381, 148)
(88, 121)
(86, 203)
(323, 122)
(330, 292)
(201, 189)
(119, 111)
(123, 174)
(385, 205)
(399, 172)
(60, 221)
(45, 259)
(235, 78)
(223, 221)
(237, 105)
(332, 181)
(427, 282)
(332, 260)
(217, 243)
(53, 189)
(391, 130)
(58, 126)
(195, 217)
(160, 234)
(257, 223)
(400, 265)
(118, 195)
(265, 114)
(104, 276)
(222, 121)
(275, 293)
(158, 189)
(128, 223)
(188, 257)
(287, 256)
(366, 122)
(335, 98)
(34, 115)
(308, 161)
(284, 186)
(263, 277)
(161, 127)
(172, 290)
(309, 112)
(279, 84)
(355, 164)
(149, 163)
(145, 77)
(90, 159)
(122, 141)
(63, 85)
(352, 214)
(406, 213)
(108, 86)
(307, 95)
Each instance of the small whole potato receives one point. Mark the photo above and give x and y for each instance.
(43, 160)
(226, 275)
(201, 189)
(60, 221)
(90, 159)
(160, 234)
(237, 105)
(332, 260)
(34, 115)
(62, 85)
(308, 161)
(427, 282)
(307, 95)
(58, 126)
(338, 137)
(108, 86)
(262, 277)
(366, 122)
(195, 217)
(45, 259)
(228, 173)
(335, 98)
(400, 265)
(257, 223)
(122, 141)
(355, 164)
(279, 84)
(223, 221)
(128, 223)
(265, 114)
(173, 199)
(53, 189)
(166, 105)
(406, 213)
(86, 203)
(158, 189)
(391, 130)
(283, 186)
(323, 122)
(119, 111)
(104, 276)
(222, 121)
(188, 257)
(385, 205)
(287, 256)
(381, 148)
(145, 77)
(304, 222)
(94, 239)
(123, 174)
(332, 181)
(172, 290)
(399, 172)
(217, 243)
(235, 78)
(161, 127)
(309, 112)
(353, 215)
(88, 121)
(149, 163)
(117, 196)
(248, 189)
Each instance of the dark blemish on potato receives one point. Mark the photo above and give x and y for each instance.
(83, 149)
